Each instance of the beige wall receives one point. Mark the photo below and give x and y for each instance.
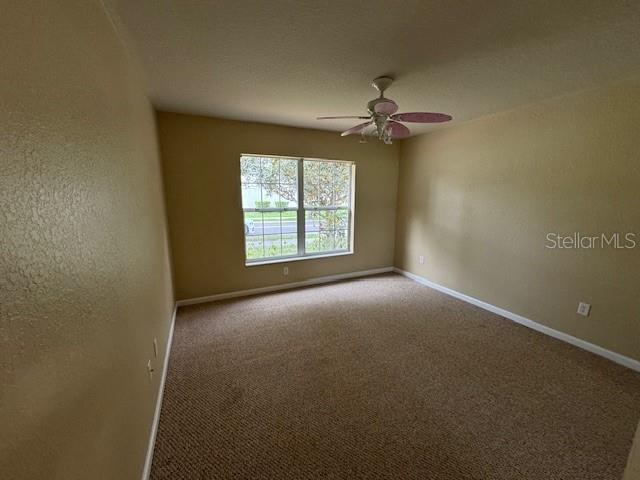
(84, 271)
(201, 161)
(478, 199)
(632, 472)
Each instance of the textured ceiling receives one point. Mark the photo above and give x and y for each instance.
(287, 62)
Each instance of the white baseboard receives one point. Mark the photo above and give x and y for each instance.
(603, 352)
(284, 286)
(156, 417)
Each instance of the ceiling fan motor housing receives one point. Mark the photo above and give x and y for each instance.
(372, 104)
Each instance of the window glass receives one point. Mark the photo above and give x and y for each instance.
(272, 206)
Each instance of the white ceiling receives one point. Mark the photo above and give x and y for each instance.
(288, 61)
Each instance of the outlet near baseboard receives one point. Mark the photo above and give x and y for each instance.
(584, 309)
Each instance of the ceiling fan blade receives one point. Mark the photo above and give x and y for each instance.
(356, 129)
(334, 118)
(386, 108)
(398, 130)
(422, 117)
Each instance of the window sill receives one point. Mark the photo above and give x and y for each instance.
(296, 259)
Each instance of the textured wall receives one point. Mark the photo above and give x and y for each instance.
(84, 271)
(201, 161)
(477, 200)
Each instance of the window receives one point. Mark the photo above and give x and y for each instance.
(296, 207)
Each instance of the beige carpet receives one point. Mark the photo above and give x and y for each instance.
(382, 378)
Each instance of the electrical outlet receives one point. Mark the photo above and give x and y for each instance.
(285, 271)
(421, 259)
(150, 370)
(584, 309)
(155, 347)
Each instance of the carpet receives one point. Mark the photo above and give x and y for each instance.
(383, 378)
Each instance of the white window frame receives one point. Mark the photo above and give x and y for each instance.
(301, 215)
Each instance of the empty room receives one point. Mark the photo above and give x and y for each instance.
(319, 240)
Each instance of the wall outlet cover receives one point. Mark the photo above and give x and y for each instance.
(584, 309)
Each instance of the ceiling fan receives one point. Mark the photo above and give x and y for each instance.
(384, 119)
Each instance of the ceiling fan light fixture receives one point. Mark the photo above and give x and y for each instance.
(386, 135)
